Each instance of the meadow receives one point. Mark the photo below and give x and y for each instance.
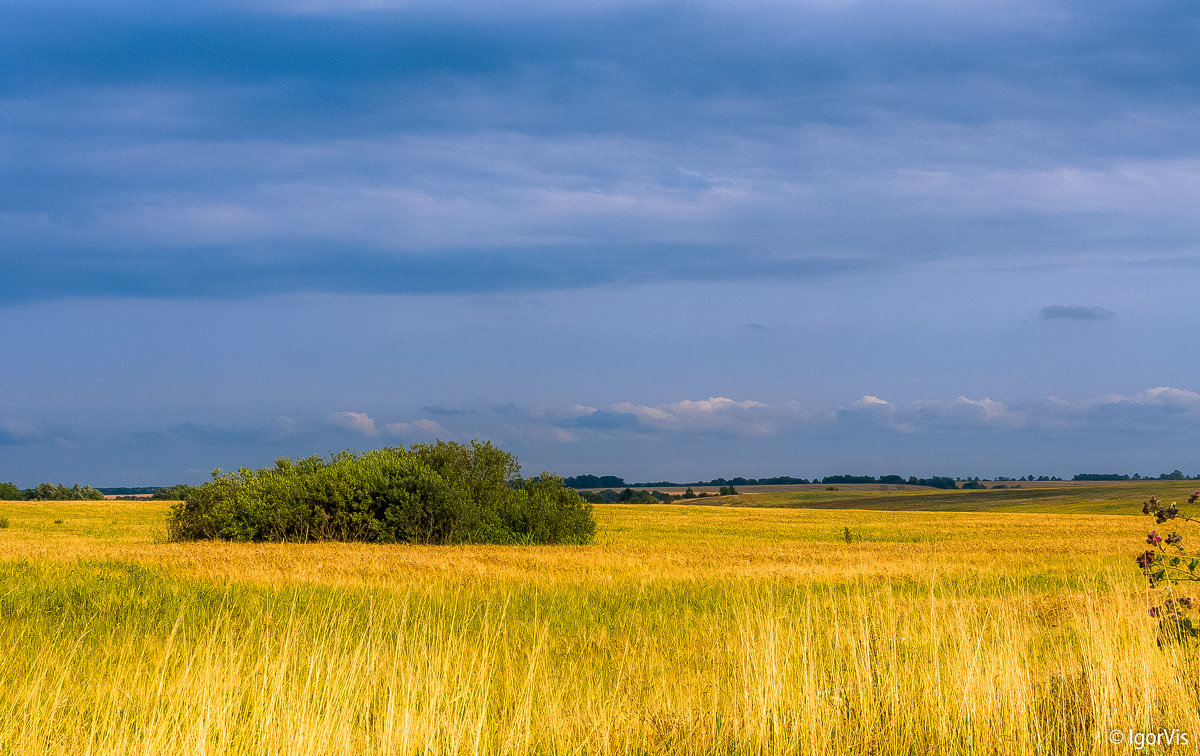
(994, 622)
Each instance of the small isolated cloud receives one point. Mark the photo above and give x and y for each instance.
(868, 399)
(757, 327)
(429, 426)
(1075, 312)
(355, 421)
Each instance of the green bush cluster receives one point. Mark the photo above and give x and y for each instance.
(439, 493)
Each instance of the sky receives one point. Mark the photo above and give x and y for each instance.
(660, 240)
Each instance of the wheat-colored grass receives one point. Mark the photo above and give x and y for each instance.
(683, 630)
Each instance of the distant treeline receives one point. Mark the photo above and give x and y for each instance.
(1173, 475)
(58, 492)
(49, 492)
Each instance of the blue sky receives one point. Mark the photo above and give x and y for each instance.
(657, 240)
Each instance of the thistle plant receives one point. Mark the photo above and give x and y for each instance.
(1166, 562)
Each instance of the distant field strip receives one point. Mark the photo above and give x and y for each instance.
(683, 630)
(1074, 498)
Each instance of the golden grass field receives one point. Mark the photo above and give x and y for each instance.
(684, 629)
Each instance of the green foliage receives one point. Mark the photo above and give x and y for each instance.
(629, 496)
(546, 511)
(429, 493)
(173, 493)
(10, 492)
(727, 491)
(1168, 562)
(56, 492)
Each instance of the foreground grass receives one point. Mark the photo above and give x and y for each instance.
(684, 630)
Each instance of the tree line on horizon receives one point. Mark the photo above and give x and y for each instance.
(936, 481)
(49, 492)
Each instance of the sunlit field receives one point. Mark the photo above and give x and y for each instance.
(684, 629)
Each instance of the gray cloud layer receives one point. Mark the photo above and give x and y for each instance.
(235, 150)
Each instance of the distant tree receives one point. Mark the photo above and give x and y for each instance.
(689, 494)
(842, 479)
(1173, 475)
(626, 495)
(727, 491)
(973, 484)
(10, 492)
(594, 481)
(891, 479)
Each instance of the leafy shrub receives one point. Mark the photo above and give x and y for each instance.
(3, 522)
(428, 493)
(1166, 563)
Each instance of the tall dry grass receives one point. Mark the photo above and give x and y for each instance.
(927, 636)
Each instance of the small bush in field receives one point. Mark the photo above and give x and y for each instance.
(3, 522)
(428, 493)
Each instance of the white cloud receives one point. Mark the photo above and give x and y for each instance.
(715, 414)
(356, 421)
(987, 411)
(420, 425)
(1167, 395)
(429, 426)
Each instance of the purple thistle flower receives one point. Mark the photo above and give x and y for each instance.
(1153, 539)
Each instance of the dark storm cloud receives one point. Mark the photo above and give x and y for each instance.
(231, 150)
